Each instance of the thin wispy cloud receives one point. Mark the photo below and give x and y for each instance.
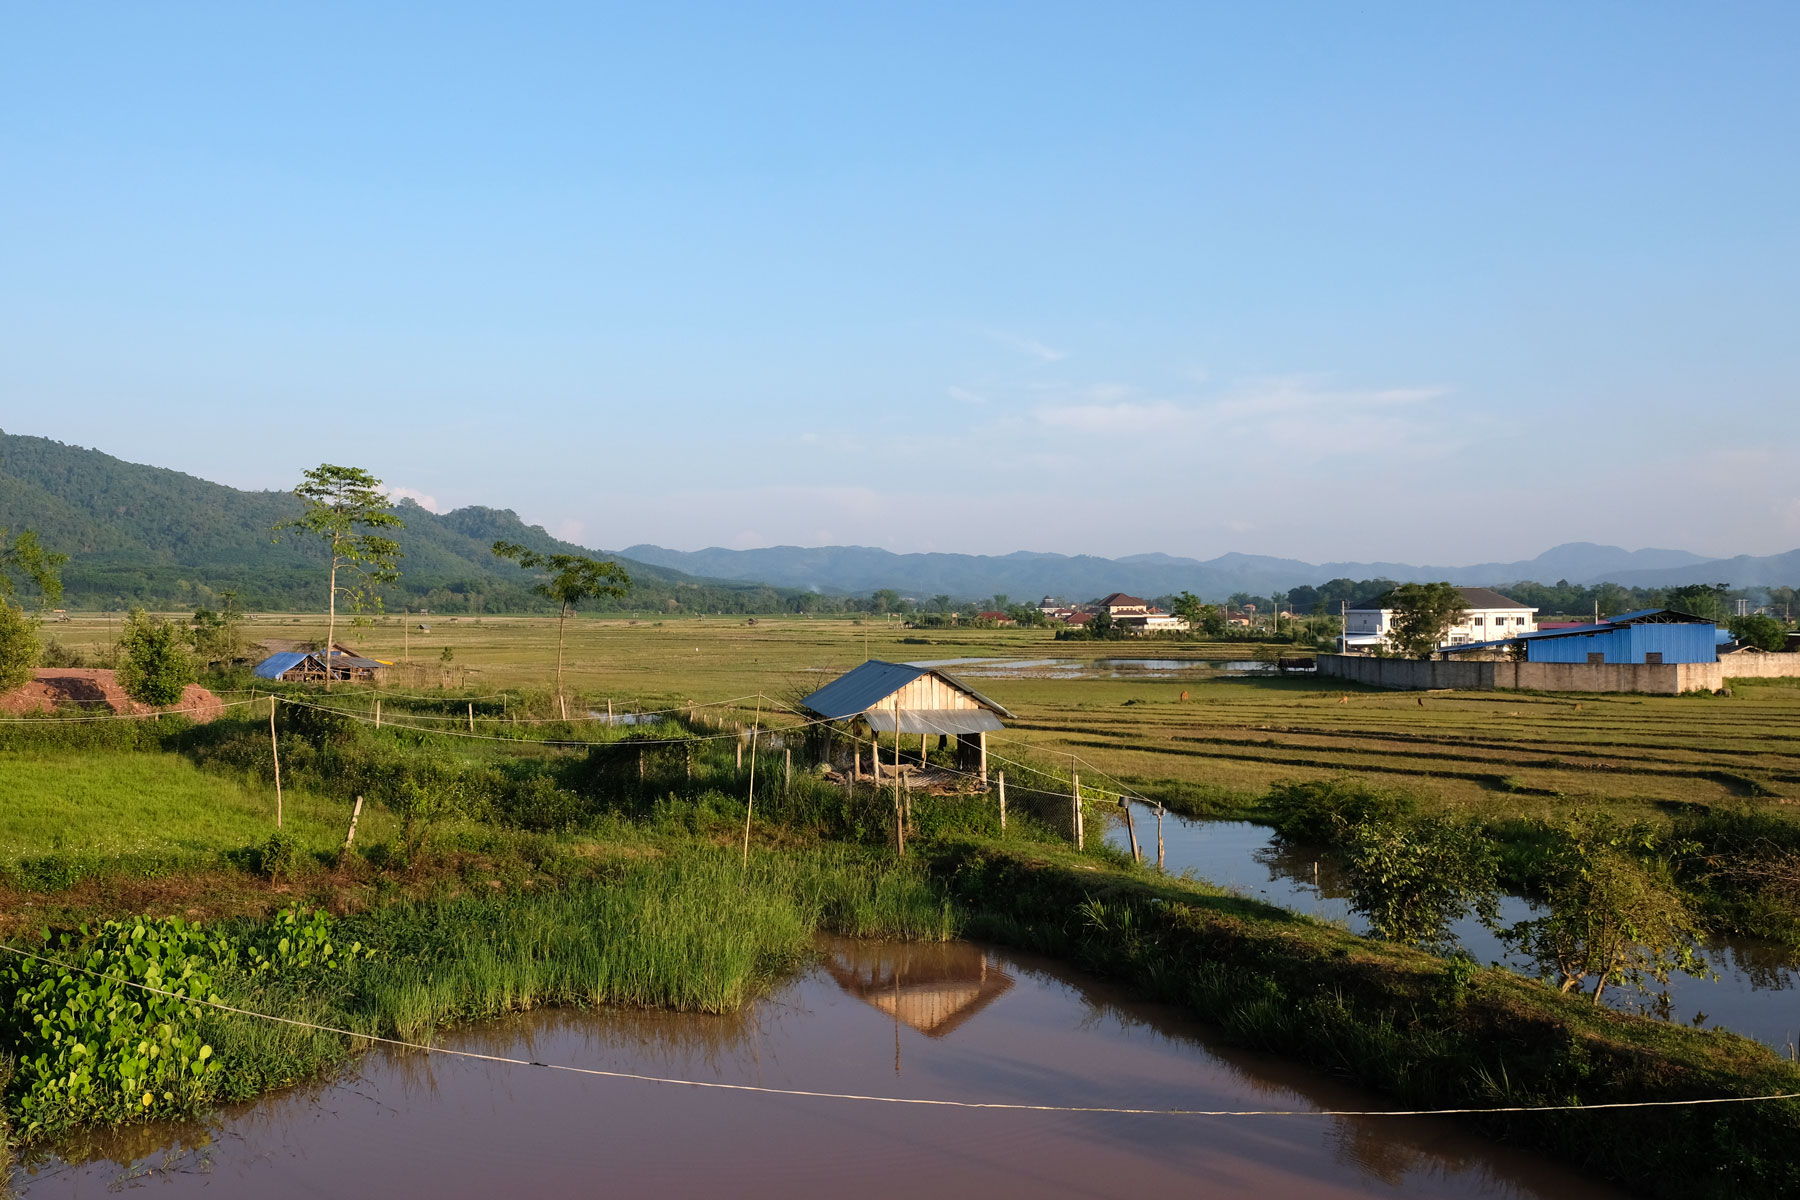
(1028, 345)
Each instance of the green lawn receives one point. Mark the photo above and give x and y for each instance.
(118, 803)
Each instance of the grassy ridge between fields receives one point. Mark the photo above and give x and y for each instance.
(1413, 1026)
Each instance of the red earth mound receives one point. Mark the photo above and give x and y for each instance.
(90, 687)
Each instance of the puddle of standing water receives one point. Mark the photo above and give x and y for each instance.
(956, 1021)
(1757, 993)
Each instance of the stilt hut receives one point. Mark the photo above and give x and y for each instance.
(907, 700)
(932, 987)
(293, 666)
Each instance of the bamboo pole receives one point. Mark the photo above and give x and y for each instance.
(471, 716)
(275, 751)
(1131, 831)
(787, 770)
(1001, 778)
(750, 801)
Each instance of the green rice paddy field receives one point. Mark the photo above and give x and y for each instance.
(1492, 753)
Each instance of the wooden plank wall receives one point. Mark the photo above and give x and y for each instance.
(928, 693)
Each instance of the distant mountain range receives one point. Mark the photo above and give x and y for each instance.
(146, 535)
(1027, 576)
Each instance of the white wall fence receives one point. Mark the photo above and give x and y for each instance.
(1667, 679)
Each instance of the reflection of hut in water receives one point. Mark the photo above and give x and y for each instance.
(932, 988)
(902, 699)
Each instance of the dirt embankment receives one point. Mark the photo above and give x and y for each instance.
(97, 689)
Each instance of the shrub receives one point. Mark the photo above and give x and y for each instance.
(277, 857)
(18, 646)
(154, 666)
(1411, 879)
(1325, 810)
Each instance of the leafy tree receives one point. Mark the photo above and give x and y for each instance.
(219, 636)
(1189, 608)
(1765, 633)
(1103, 627)
(1411, 879)
(1609, 918)
(885, 600)
(571, 579)
(345, 508)
(19, 650)
(1423, 614)
(1700, 599)
(941, 603)
(154, 666)
(24, 555)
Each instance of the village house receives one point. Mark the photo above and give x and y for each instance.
(1487, 616)
(1649, 636)
(1118, 604)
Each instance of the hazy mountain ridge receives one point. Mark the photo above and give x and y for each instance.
(147, 535)
(142, 534)
(1027, 575)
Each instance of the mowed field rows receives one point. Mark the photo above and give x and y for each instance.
(1496, 753)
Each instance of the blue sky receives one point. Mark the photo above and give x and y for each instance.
(1418, 282)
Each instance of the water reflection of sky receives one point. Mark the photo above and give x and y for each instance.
(1755, 993)
(973, 1023)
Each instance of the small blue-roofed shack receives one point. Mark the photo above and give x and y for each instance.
(294, 666)
(1650, 635)
(901, 699)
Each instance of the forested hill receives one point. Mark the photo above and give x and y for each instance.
(145, 535)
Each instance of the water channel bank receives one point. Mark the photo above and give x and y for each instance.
(1757, 992)
(955, 1021)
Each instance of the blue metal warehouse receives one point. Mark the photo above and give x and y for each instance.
(1650, 635)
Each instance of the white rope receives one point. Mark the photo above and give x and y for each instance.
(805, 1093)
(118, 716)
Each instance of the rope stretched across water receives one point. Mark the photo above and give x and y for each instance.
(917, 1101)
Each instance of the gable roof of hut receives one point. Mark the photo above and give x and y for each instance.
(861, 692)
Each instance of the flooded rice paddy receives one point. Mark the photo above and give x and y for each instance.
(1757, 992)
(953, 1022)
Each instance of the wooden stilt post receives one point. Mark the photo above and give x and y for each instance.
(750, 798)
(981, 770)
(354, 814)
(899, 809)
(275, 752)
(1001, 778)
(1075, 797)
(1131, 831)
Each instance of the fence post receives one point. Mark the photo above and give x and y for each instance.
(1159, 845)
(351, 836)
(1075, 796)
(471, 716)
(275, 751)
(1131, 831)
(378, 713)
(787, 770)
(1001, 778)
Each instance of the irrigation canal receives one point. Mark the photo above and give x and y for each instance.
(1757, 992)
(957, 1021)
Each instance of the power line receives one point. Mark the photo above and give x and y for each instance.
(930, 1102)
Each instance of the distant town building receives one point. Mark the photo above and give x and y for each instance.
(1486, 616)
(1118, 604)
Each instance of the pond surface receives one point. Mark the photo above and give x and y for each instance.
(956, 1021)
(1757, 993)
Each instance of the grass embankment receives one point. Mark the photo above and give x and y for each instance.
(1410, 1025)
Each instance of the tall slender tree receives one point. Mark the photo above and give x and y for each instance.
(567, 579)
(24, 555)
(346, 510)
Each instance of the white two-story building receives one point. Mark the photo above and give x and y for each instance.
(1486, 617)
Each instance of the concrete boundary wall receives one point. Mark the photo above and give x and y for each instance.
(1666, 679)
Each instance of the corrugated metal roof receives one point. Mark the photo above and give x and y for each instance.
(277, 665)
(957, 721)
(857, 691)
(1647, 614)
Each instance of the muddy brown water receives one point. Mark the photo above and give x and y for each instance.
(959, 1022)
